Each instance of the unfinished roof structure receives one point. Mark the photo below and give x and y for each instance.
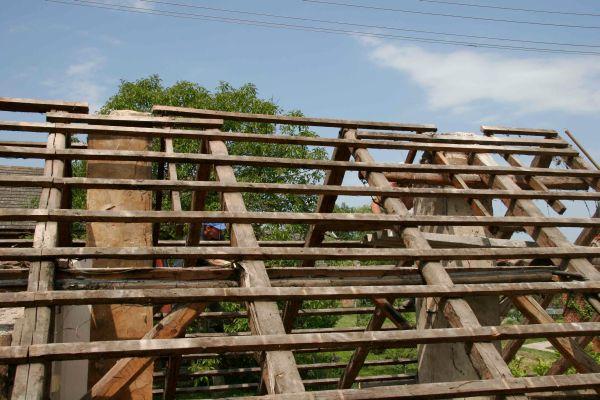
(501, 246)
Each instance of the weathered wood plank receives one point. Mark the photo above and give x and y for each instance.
(504, 130)
(376, 339)
(154, 156)
(390, 143)
(41, 106)
(133, 120)
(194, 295)
(31, 380)
(471, 388)
(327, 190)
(339, 221)
(282, 253)
(285, 119)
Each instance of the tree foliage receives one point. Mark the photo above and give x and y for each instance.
(142, 94)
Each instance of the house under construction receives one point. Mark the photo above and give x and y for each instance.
(466, 228)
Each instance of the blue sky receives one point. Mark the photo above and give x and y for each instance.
(51, 50)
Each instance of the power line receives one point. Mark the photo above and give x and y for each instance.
(531, 10)
(266, 24)
(399, 10)
(195, 6)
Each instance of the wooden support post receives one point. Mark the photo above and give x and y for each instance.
(172, 169)
(171, 377)
(485, 356)
(279, 371)
(158, 195)
(430, 311)
(198, 203)
(32, 380)
(316, 234)
(110, 322)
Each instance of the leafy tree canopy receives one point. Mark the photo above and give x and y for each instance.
(142, 94)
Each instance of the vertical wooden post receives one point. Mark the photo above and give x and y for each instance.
(113, 322)
(32, 380)
(457, 365)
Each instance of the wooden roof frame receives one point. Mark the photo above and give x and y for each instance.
(516, 184)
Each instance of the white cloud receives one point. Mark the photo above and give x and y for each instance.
(141, 4)
(462, 79)
(81, 80)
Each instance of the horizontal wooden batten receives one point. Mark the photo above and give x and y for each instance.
(396, 379)
(350, 340)
(415, 142)
(191, 295)
(81, 280)
(41, 106)
(444, 390)
(285, 119)
(302, 367)
(475, 139)
(133, 120)
(210, 186)
(279, 253)
(505, 130)
(340, 221)
(193, 158)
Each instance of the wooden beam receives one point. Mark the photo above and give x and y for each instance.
(285, 342)
(257, 294)
(194, 234)
(284, 119)
(41, 106)
(390, 238)
(490, 387)
(192, 158)
(168, 132)
(474, 139)
(325, 190)
(282, 253)
(133, 120)
(31, 380)
(474, 181)
(504, 130)
(339, 221)
(279, 371)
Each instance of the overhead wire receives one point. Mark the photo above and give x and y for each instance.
(471, 17)
(504, 8)
(262, 14)
(277, 25)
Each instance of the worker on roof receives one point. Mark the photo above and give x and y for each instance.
(213, 231)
